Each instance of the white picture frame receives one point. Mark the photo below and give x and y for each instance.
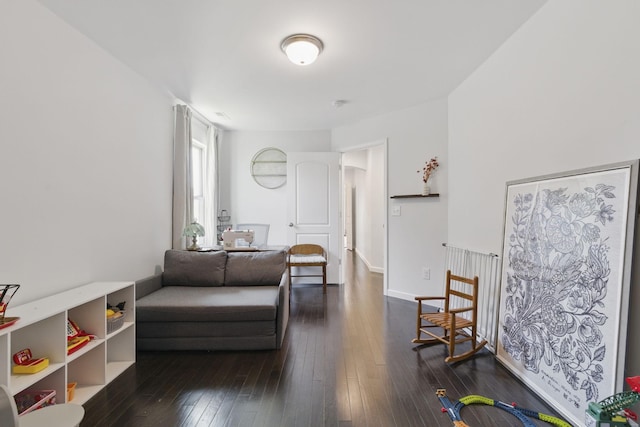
(565, 281)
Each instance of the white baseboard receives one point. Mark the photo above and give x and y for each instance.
(400, 295)
(370, 267)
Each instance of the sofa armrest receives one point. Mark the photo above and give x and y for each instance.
(148, 285)
(282, 319)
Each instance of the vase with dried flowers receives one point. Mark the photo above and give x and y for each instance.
(429, 168)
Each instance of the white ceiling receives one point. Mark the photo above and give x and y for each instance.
(223, 56)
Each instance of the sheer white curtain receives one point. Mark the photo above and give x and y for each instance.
(182, 183)
(183, 206)
(210, 187)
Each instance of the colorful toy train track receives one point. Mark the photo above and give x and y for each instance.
(522, 414)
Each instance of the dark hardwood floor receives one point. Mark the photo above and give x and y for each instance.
(347, 360)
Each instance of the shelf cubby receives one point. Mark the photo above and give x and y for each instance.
(42, 327)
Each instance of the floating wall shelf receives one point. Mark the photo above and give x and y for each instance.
(408, 196)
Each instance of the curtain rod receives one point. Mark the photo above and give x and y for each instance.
(198, 114)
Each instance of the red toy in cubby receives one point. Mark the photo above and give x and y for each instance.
(26, 364)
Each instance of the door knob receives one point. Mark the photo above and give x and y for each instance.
(290, 224)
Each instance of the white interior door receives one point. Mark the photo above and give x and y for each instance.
(313, 206)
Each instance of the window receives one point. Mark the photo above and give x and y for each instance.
(203, 171)
(198, 173)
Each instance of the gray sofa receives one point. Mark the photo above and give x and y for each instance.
(214, 301)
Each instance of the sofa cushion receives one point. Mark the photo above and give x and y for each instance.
(191, 268)
(208, 304)
(255, 268)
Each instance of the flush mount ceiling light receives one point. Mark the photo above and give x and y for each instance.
(302, 49)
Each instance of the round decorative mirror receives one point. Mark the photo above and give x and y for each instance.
(269, 168)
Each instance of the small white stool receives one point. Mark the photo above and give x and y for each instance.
(60, 415)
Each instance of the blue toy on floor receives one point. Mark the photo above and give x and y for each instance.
(522, 414)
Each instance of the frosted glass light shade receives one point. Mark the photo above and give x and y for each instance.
(302, 49)
(193, 229)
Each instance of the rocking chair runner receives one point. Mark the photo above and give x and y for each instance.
(450, 320)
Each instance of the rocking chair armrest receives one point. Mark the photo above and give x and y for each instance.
(428, 298)
(460, 310)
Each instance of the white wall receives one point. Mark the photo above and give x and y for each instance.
(561, 94)
(375, 211)
(85, 159)
(355, 158)
(245, 200)
(414, 135)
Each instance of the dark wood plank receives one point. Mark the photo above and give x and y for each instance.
(347, 360)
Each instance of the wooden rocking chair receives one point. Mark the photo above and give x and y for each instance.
(451, 320)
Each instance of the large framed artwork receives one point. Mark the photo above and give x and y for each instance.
(567, 250)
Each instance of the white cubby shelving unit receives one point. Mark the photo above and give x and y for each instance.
(42, 327)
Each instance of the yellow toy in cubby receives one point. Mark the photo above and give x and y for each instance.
(26, 364)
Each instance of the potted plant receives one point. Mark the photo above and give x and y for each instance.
(429, 168)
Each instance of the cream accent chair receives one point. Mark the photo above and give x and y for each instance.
(308, 255)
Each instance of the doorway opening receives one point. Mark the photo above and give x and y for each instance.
(365, 205)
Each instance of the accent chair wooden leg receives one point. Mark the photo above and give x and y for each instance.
(324, 279)
(289, 268)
